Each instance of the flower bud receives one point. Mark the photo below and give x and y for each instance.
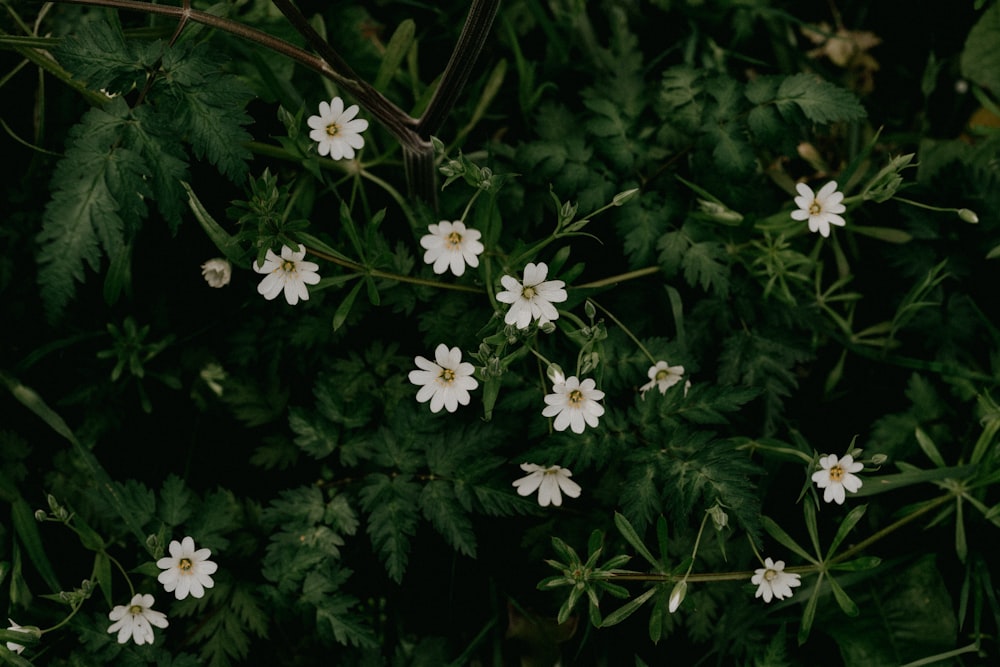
(624, 197)
(968, 215)
(41, 515)
(719, 517)
(547, 328)
(677, 595)
(217, 272)
(555, 374)
(879, 459)
(589, 309)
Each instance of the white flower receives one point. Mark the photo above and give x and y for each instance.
(574, 403)
(187, 570)
(14, 646)
(531, 299)
(335, 131)
(289, 273)
(773, 582)
(836, 476)
(451, 245)
(445, 383)
(135, 618)
(662, 377)
(820, 209)
(217, 272)
(548, 482)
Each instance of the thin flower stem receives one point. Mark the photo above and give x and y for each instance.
(621, 277)
(375, 273)
(875, 537)
(624, 328)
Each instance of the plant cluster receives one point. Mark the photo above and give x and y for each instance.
(630, 331)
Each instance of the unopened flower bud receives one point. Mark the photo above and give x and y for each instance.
(589, 309)
(41, 515)
(555, 374)
(624, 197)
(968, 215)
(719, 517)
(879, 459)
(217, 272)
(677, 595)
(547, 328)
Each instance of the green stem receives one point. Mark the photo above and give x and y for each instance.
(375, 273)
(621, 277)
(627, 331)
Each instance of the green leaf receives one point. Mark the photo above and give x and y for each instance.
(226, 243)
(632, 537)
(26, 528)
(344, 309)
(845, 527)
(151, 136)
(176, 501)
(207, 107)
(98, 54)
(627, 609)
(778, 533)
(391, 504)
(980, 58)
(440, 507)
(908, 616)
(98, 190)
(820, 101)
(102, 571)
(929, 448)
(395, 52)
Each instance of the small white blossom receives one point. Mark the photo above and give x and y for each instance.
(663, 377)
(819, 209)
(549, 482)
(217, 272)
(451, 245)
(677, 595)
(14, 646)
(836, 476)
(445, 383)
(135, 620)
(186, 570)
(336, 130)
(574, 403)
(288, 273)
(773, 582)
(532, 298)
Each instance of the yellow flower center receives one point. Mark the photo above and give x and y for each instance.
(135, 610)
(575, 398)
(332, 130)
(770, 575)
(185, 565)
(528, 292)
(815, 208)
(550, 471)
(288, 266)
(661, 375)
(836, 474)
(454, 240)
(447, 375)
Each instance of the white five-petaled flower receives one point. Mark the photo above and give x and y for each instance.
(336, 130)
(136, 619)
(773, 582)
(451, 245)
(819, 209)
(532, 298)
(574, 403)
(836, 476)
(186, 570)
(289, 273)
(548, 482)
(14, 646)
(217, 272)
(663, 377)
(445, 383)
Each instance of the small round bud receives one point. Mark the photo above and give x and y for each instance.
(968, 215)
(41, 515)
(879, 459)
(548, 327)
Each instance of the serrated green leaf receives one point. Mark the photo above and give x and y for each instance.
(392, 505)
(98, 54)
(176, 501)
(438, 503)
(207, 106)
(98, 190)
(820, 101)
